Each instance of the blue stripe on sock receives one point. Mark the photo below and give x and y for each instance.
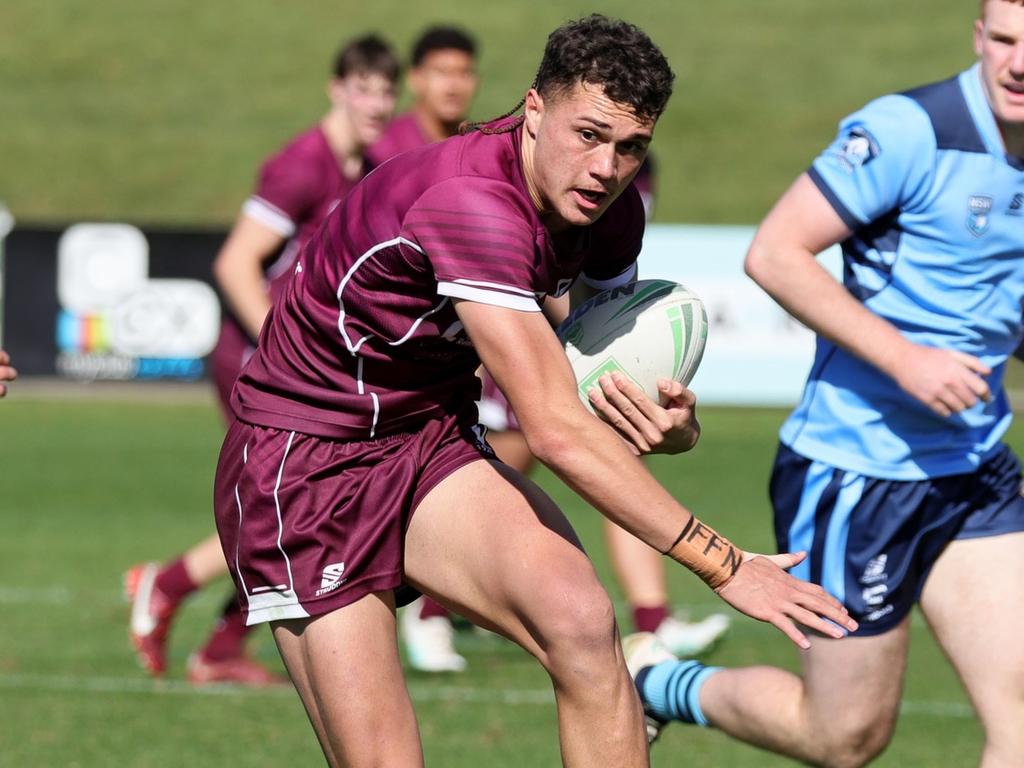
(671, 690)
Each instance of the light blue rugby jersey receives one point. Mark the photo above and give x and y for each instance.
(937, 211)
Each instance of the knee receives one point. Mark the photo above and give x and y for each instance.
(579, 631)
(856, 745)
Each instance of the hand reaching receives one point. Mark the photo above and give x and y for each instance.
(763, 590)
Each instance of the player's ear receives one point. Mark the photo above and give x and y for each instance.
(533, 110)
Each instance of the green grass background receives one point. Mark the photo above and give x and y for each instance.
(91, 487)
(160, 111)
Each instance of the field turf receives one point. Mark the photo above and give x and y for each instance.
(91, 487)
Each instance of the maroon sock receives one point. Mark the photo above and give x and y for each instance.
(226, 640)
(649, 618)
(431, 608)
(174, 582)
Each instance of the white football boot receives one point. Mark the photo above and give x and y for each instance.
(692, 638)
(429, 642)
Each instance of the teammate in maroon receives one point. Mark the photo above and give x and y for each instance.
(442, 79)
(296, 189)
(355, 463)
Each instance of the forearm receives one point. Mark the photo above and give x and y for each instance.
(597, 464)
(250, 303)
(794, 278)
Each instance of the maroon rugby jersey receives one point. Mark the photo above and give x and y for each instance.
(402, 134)
(365, 341)
(297, 187)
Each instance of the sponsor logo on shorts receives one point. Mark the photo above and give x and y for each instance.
(875, 570)
(874, 596)
(331, 578)
(876, 615)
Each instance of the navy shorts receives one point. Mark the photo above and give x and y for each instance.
(872, 542)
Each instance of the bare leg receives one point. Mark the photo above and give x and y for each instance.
(488, 543)
(205, 561)
(638, 568)
(840, 713)
(974, 601)
(346, 669)
(511, 448)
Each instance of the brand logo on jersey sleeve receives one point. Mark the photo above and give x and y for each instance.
(978, 209)
(1016, 205)
(858, 149)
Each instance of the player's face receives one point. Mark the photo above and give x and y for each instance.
(999, 43)
(584, 150)
(444, 84)
(368, 99)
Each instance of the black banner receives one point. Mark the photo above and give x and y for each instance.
(110, 301)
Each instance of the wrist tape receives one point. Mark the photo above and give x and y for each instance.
(707, 554)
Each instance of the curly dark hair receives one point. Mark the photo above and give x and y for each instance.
(613, 54)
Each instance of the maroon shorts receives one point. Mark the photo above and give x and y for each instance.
(309, 525)
(495, 412)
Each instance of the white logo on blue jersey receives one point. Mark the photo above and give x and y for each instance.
(978, 207)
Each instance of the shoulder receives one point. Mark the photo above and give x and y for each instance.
(945, 105)
(482, 200)
(891, 123)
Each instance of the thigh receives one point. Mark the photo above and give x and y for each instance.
(489, 543)
(974, 602)
(854, 685)
(345, 666)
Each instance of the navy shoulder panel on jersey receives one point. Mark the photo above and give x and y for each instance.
(951, 119)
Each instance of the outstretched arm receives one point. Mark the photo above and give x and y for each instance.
(782, 260)
(523, 355)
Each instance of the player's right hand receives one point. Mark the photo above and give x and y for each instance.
(763, 590)
(946, 380)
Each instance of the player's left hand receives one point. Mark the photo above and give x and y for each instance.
(668, 426)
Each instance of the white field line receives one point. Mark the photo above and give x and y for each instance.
(419, 692)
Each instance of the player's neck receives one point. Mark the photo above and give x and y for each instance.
(433, 128)
(342, 140)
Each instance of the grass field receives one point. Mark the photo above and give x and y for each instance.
(91, 487)
(152, 111)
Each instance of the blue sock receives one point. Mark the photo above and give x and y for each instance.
(671, 690)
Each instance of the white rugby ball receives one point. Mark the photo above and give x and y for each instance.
(648, 330)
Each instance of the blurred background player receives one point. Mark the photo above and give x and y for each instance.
(892, 472)
(296, 189)
(442, 80)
